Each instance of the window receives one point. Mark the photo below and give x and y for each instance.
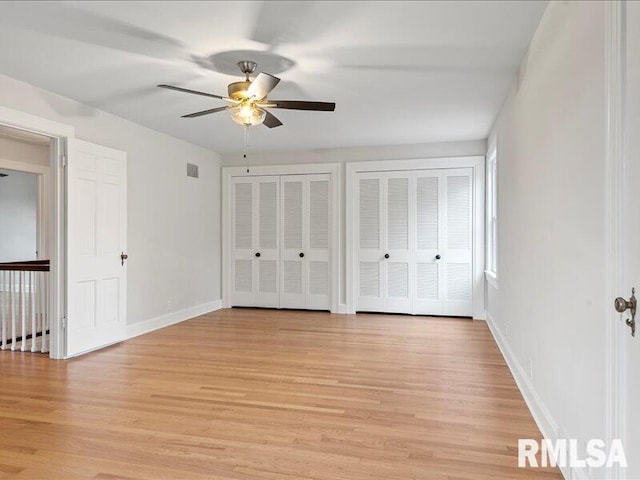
(492, 214)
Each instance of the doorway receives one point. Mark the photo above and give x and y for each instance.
(25, 206)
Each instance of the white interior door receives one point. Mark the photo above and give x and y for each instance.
(317, 241)
(429, 243)
(457, 247)
(255, 236)
(370, 246)
(96, 239)
(397, 261)
(384, 231)
(631, 249)
(295, 232)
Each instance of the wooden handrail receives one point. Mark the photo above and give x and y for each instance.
(26, 266)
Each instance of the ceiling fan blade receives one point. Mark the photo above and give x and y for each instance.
(204, 112)
(301, 105)
(195, 92)
(262, 85)
(271, 120)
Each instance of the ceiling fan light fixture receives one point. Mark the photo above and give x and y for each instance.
(247, 114)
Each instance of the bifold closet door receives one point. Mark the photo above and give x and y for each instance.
(384, 233)
(414, 242)
(443, 247)
(255, 220)
(304, 272)
(457, 248)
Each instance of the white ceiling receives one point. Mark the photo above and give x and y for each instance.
(399, 72)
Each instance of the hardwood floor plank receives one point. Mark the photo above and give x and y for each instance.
(261, 394)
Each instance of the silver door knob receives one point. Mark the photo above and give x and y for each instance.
(621, 305)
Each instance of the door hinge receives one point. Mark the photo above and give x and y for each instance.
(63, 160)
(64, 323)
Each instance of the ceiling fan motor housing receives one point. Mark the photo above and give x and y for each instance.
(238, 90)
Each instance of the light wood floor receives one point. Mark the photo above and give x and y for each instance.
(251, 394)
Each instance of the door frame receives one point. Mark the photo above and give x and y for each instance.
(478, 228)
(615, 159)
(331, 169)
(58, 132)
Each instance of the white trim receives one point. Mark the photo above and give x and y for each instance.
(31, 123)
(492, 278)
(545, 422)
(332, 169)
(615, 20)
(58, 132)
(475, 162)
(146, 326)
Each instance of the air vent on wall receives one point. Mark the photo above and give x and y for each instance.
(192, 170)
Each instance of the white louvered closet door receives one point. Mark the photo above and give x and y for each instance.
(317, 252)
(384, 232)
(397, 265)
(457, 259)
(369, 275)
(429, 238)
(305, 274)
(294, 230)
(255, 241)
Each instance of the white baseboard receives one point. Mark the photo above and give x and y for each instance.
(171, 318)
(548, 427)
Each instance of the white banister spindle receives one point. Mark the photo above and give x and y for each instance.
(23, 312)
(12, 302)
(32, 310)
(45, 312)
(4, 308)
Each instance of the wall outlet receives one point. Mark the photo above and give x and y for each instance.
(530, 369)
(169, 305)
(506, 330)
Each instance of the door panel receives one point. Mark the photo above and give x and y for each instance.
(369, 240)
(396, 259)
(96, 237)
(631, 238)
(266, 266)
(294, 204)
(317, 243)
(456, 253)
(429, 215)
(305, 249)
(255, 218)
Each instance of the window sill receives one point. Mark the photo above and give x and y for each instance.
(492, 278)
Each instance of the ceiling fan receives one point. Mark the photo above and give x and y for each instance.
(247, 100)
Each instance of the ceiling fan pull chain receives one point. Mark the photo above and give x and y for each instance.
(246, 145)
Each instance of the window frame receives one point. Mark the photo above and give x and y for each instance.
(491, 216)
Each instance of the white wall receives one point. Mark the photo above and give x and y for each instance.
(173, 221)
(18, 216)
(356, 154)
(549, 308)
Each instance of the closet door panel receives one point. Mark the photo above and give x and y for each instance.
(293, 206)
(429, 215)
(243, 293)
(266, 222)
(317, 243)
(457, 254)
(370, 221)
(397, 258)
